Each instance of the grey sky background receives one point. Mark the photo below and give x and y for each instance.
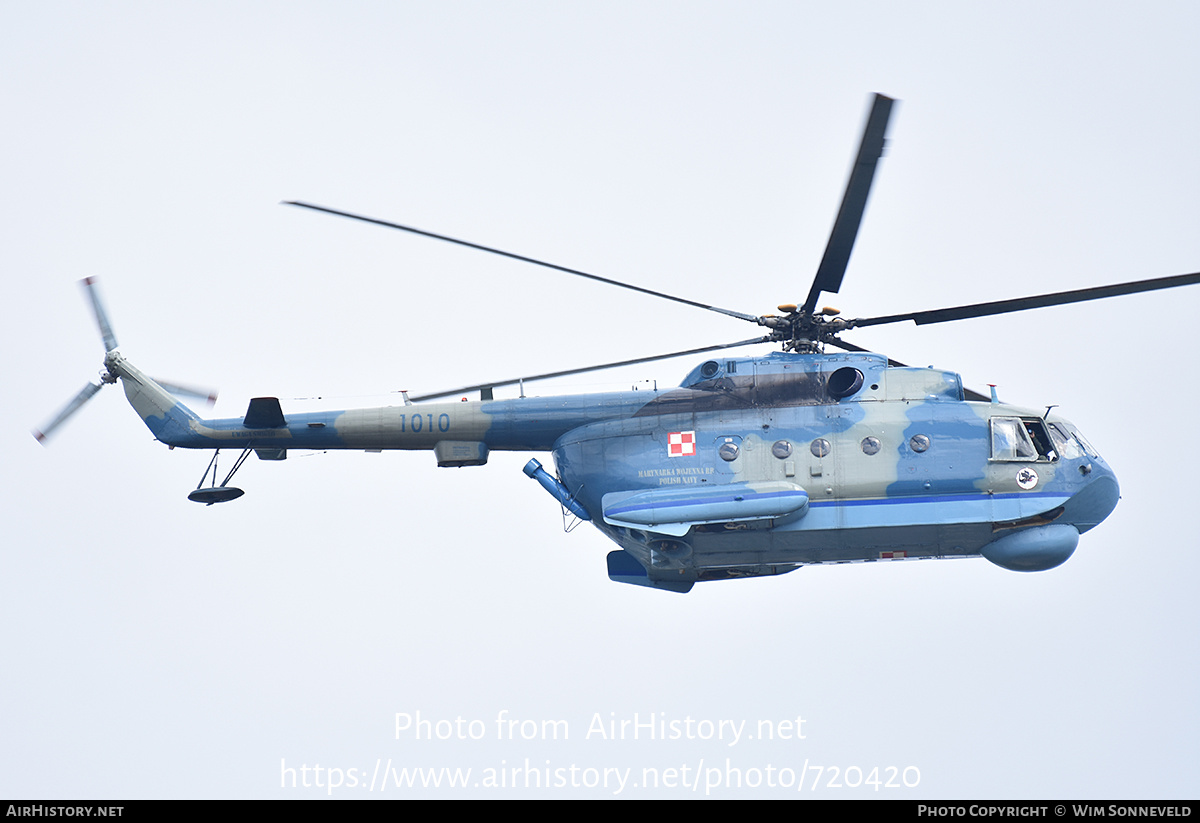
(155, 648)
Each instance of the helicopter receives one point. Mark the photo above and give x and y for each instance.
(752, 466)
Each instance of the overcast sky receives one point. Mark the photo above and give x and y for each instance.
(155, 648)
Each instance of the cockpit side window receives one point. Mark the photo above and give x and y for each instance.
(1041, 438)
(1010, 441)
(1015, 438)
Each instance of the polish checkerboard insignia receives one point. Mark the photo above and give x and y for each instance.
(681, 444)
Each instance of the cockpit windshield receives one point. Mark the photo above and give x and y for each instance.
(1088, 448)
(1067, 446)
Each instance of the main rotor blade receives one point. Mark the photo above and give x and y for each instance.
(110, 339)
(1039, 301)
(72, 407)
(854, 202)
(753, 318)
(842, 344)
(601, 367)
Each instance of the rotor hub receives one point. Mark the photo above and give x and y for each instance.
(802, 332)
(110, 374)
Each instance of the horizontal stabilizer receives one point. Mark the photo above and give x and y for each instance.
(264, 413)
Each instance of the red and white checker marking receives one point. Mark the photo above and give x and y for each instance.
(681, 444)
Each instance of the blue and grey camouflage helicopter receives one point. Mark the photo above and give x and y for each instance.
(753, 466)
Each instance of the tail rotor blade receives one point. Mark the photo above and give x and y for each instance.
(106, 332)
(209, 396)
(76, 403)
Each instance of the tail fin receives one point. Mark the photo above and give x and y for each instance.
(168, 419)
